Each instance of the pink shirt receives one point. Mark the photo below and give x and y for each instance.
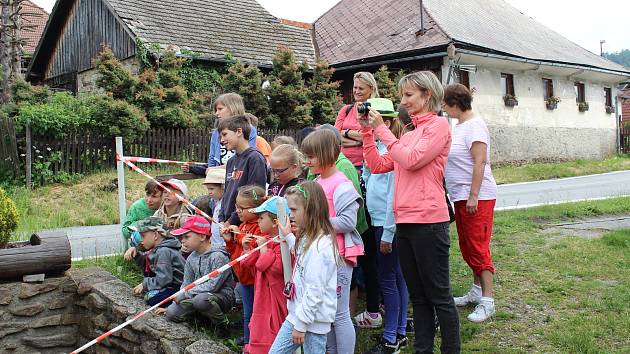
(329, 185)
(418, 161)
(459, 168)
(343, 122)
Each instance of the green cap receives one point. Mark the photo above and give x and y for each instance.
(384, 106)
(152, 223)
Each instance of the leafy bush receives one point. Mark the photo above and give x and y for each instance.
(62, 115)
(117, 117)
(114, 78)
(247, 81)
(323, 94)
(9, 217)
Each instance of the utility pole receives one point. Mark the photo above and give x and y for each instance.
(601, 47)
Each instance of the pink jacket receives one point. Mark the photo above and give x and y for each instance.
(270, 305)
(349, 121)
(418, 160)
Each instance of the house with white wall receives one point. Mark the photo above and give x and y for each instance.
(518, 69)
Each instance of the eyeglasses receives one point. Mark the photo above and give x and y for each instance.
(279, 171)
(240, 209)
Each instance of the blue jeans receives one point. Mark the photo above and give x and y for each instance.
(393, 288)
(247, 294)
(156, 298)
(283, 344)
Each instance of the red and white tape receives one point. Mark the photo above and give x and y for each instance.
(150, 160)
(190, 286)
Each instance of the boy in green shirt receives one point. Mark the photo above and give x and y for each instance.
(143, 207)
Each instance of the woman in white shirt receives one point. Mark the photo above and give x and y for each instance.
(473, 190)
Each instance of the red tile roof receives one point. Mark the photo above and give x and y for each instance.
(33, 22)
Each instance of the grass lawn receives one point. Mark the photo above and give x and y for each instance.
(553, 293)
(541, 171)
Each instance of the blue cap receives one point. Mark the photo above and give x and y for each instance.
(270, 206)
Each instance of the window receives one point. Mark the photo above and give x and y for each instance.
(580, 97)
(608, 96)
(547, 88)
(464, 78)
(507, 84)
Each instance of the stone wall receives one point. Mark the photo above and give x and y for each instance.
(63, 313)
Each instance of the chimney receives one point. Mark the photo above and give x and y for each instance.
(422, 30)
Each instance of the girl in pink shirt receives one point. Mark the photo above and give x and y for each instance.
(420, 210)
(321, 149)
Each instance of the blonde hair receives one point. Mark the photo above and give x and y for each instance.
(323, 144)
(253, 120)
(282, 139)
(288, 153)
(311, 196)
(368, 79)
(253, 193)
(426, 82)
(233, 102)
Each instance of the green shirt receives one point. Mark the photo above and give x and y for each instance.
(347, 168)
(139, 210)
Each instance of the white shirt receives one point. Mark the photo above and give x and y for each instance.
(459, 168)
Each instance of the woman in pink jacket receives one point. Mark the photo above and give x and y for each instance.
(422, 219)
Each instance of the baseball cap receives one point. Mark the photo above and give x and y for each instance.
(384, 106)
(270, 205)
(215, 176)
(176, 184)
(194, 223)
(152, 223)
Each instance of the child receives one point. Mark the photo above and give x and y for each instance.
(247, 167)
(162, 262)
(173, 212)
(286, 167)
(213, 298)
(270, 305)
(312, 290)
(379, 200)
(143, 207)
(214, 184)
(282, 139)
(322, 149)
(237, 239)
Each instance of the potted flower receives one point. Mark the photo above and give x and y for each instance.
(510, 100)
(583, 106)
(552, 102)
(610, 109)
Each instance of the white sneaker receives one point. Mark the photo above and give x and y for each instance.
(364, 320)
(482, 312)
(466, 299)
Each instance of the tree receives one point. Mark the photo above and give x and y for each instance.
(114, 78)
(388, 83)
(11, 45)
(621, 57)
(288, 95)
(247, 81)
(323, 94)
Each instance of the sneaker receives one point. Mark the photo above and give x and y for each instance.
(365, 320)
(482, 312)
(384, 347)
(466, 299)
(402, 340)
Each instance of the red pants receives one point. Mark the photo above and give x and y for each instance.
(474, 232)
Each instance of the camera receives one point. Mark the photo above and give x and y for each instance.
(363, 108)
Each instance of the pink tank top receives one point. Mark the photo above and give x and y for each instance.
(329, 185)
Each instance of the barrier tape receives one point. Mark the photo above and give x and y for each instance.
(150, 160)
(190, 286)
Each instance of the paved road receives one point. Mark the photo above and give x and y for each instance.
(529, 194)
(93, 241)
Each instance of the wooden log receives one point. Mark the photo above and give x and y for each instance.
(47, 252)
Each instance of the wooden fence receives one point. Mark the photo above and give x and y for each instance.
(624, 135)
(87, 152)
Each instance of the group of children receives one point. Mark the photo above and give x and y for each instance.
(175, 247)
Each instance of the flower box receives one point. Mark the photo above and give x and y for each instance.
(583, 106)
(510, 101)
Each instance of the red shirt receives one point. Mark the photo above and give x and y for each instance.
(244, 274)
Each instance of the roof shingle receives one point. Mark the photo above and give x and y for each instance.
(33, 22)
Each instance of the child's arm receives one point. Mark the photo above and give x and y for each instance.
(140, 259)
(270, 261)
(188, 278)
(163, 272)
(376, 162)
(213, 285)
(390, 224)
(346, 207)
(215, 149)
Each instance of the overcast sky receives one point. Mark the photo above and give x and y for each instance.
(585, 23)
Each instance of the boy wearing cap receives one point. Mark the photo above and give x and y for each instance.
(270, 304)
(214, 182)
(162, 262)
(214, 297)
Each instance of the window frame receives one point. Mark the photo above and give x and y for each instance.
(608, 101)
(464, 78)
(580, 92)
(547, 88)
(509, 85)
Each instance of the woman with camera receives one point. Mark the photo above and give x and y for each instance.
(418, 160)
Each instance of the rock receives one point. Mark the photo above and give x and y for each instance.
(70, 318)
(27, 310)
(123, 345)
(101, 321)
(6, 296)
(95, 301)
(149, 347)
(70, 287)
(169, 347)
(65, 339)
(54, 320)
(206, 346)
(121, 311)
(34, 278)
(84, 288)
(129, 335)
(30, 290)
(7, 328)
(61, 302)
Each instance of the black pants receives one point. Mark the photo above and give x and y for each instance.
(424, 252)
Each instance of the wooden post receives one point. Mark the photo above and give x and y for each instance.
(122, 206)
(29, 156)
